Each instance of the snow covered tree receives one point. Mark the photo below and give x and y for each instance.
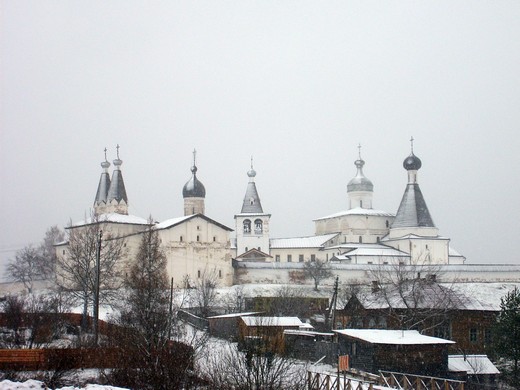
(317, 270)
(76, 271)
(506, 335)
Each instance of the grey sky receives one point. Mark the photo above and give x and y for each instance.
(296, 84)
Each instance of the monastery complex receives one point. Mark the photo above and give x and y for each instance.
(353, 241)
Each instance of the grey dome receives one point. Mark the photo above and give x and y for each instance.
(412, 163)
(193, 188)
(360, 182)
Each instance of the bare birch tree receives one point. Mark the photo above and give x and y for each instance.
(76, 271)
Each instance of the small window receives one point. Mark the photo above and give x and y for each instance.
(181, 239)
(220, 273)
(361, 203)
(214, 238)
(378, 239)
(198, 227)
(198, 238)
(258, 248)
(246, 249)
(387, 224)
(473, 335)
(327, 256)
(313, 257)
(300, 258)
(124, 245)
(64, 251)
(360, 239)
(289, 258)
(247, 226)
(277, 258)
(198, 274)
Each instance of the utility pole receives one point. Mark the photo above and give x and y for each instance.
(96, 292)
(170, 311)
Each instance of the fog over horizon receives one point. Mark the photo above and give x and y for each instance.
(298, 85)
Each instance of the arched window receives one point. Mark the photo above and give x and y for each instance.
(258, 226)
(247, 226)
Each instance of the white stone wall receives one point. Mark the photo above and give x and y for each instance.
(352, 227)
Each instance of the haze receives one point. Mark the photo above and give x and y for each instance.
(295, 84)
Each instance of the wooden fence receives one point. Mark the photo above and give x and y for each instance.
(415, 382)
(53, 358)
(323, 381)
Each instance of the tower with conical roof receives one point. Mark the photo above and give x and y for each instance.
(117, 201)
(413, 230)
(194, 192)
(360, 189)
(252, 224)
(100, 202)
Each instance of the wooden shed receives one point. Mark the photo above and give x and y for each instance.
(406, 351)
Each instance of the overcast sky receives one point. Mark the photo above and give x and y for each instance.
(296, 84)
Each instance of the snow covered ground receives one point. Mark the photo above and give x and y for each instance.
(32, 385)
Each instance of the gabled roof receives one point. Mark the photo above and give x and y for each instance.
(472, 364)
(112, 218)
(420, 294)
(413, 211)
(392, 337)
(302, 242)
(254, 254)
(368, 250)
(272, 321)
(177, 221)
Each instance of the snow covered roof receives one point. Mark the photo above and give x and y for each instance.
(231, 315)
(421, 294)
(358, 211)
(394, 337)
(272, 321)
(113, 218)
(472, 364)
(309, 333)
(176, 221)
(381, 250)
(302, 242)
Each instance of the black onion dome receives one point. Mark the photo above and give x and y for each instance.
(193, 188)
(412, 163)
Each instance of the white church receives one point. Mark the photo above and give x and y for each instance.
(350, 240)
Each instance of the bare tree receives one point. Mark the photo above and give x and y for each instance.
(205, 293)
(76, 271)
(53, 235)
(27, 267)
(411, 295)
(317, 270)
(252, 370)
(146, 325)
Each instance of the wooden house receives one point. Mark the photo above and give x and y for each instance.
(372, 350)
(426, 306)
(267, 332)
(226, 325)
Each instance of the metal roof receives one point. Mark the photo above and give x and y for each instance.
(301, 242)
(412, 211)
(393, 337)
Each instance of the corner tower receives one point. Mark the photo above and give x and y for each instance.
(194, 192)
(252, 224)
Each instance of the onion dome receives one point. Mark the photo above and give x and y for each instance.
(360, 181)
(412, 163)
(194, 188)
